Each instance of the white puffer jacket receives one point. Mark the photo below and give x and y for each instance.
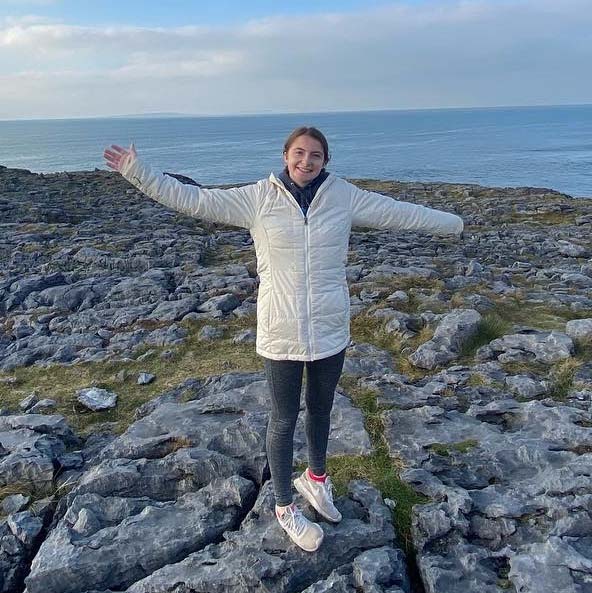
(303, 302)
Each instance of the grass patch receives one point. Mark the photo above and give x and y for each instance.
(525, 368)
(224, 253)
(388, 284)
(561, 212)
(383, 472)
(33, 491)
(477, 380)
(490, 327)
(371, 330)
(561, 376)
(192, 359)
(379, 468)
(445, 449)
(368, 329)
(25, 488)
(583, 349)
(515, 309)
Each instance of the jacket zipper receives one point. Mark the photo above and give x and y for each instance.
(307, 260)
(308, 295)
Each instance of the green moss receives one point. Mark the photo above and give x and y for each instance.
(370, 330)
(226, 254)
(490, 327)
(379, 468)
(515, 309)
(440, 449)
(561, 375)
(445, 449)
(34, 492)
(583, 349)
(465, 446)
(383, 472)
(476, 380)
(193, 358)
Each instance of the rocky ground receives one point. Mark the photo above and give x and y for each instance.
(133, 409)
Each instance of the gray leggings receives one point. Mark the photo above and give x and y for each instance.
(284, 378)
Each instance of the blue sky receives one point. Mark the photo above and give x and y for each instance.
(67, 58)
(172, 13)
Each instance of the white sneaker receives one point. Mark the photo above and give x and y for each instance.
(304, 533)
(319, 495)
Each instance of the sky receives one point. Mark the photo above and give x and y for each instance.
(83, 58)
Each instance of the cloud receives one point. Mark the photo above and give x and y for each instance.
(464, 52)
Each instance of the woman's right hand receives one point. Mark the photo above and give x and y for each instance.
(116, 156)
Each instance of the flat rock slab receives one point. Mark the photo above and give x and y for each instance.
(580, 329)
(380, 570)
(182, 478)
(504, 476)
(362, 360)
(529, 345)
(233, 422)
(259, 557)
(105, 542)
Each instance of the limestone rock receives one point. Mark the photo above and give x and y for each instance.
(366, 359)
(452, 332)
(145, 378)
(541, 346)
(96, 399)
(129, 538)
(259, 557)
(579, 329)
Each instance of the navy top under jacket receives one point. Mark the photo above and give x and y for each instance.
(304, 195)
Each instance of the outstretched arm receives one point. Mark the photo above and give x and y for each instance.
(371, 209)
(236, 206)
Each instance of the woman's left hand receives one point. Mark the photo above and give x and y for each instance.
(116, 156)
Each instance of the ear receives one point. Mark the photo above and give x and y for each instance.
(285, 155)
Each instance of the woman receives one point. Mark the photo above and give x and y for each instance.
(300, 222)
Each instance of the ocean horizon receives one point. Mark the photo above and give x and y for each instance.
(539, 146)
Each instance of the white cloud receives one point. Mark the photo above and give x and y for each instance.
(7, 22)
(485, 52)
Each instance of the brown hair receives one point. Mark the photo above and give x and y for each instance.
(313, 133)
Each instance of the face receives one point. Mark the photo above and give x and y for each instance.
(305, 159)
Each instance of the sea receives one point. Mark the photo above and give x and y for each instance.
(547, 147)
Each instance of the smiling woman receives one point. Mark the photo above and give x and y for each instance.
(300, 222)
(306, 151)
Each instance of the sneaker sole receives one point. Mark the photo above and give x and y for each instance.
(303, 490)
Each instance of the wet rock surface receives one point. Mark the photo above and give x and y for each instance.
(490, 421)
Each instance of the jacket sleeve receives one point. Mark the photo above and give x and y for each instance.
(235, 206)
(370, 209)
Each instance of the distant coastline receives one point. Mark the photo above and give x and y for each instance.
(493, 146)
(176, 114)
